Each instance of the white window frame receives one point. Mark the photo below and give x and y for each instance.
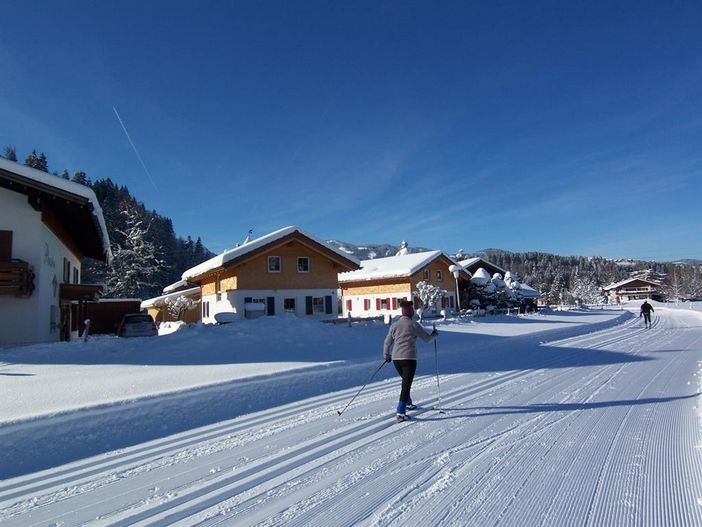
(279, 259)
(318, 305)
(304, 259)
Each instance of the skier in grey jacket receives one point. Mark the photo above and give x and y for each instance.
(400, 347)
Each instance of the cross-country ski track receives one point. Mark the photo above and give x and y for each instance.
(609, 440)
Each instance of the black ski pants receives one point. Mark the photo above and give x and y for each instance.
(406, 369)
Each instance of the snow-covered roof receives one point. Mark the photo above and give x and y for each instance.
(470, 262)
(161, 300)
(237, 252)
(481, 275)
(59, 187)
(528, 292)
(629, 280)
(392, 266)
(180, 284)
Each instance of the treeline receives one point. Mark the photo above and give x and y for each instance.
(137, 236)
(578, 278)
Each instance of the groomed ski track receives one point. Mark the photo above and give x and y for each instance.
(562, 442)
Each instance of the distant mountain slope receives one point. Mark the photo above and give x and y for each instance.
(371, 251)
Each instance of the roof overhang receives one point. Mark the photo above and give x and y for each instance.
(74, 212)
(70, 292)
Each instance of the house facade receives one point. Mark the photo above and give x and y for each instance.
(47, 226)
(287, 271)
(378, 287)
(631, 289)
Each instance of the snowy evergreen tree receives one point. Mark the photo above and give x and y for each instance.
(10, 153)
(585, 289)
(81, 177)
(37, 161)
(557, 293)
(429, 294)
(135, 263)
(65, 175)
(179, 305)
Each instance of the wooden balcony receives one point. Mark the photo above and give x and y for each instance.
(16, 278)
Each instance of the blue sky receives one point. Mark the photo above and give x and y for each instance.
(565, 127)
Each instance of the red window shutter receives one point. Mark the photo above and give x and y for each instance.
(349, 305)
(377, 304)
(394, 303)
(366, 304)
(387, 302)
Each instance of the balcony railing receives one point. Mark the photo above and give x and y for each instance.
(16, 278)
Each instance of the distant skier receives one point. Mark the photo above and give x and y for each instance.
(400, 347)
(646, 310)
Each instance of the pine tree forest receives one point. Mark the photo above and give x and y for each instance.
(148, 251)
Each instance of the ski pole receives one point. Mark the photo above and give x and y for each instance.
(359, 391)
(438, 386)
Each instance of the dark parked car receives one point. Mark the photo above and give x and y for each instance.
(137, 325)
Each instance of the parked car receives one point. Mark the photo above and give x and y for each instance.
(137, 325)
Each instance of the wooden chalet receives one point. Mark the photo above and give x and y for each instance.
(285, 272)
(632, 289)
(381, 283)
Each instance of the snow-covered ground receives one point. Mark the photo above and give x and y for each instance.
(565, 418)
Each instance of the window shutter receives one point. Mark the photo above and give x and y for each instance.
(328, 304)
(271, 305)
(308, 305)
(394, 303)
(5, 245)
(349, 305)
(377, 304)
(387, 303)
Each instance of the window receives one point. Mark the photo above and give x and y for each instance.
(318, 305)
(366, 304)
(303, 264)
(275, 264)
(76, 276)
(66, 271)
(426, 274)
(205, 309)
(439, 275)
(218, 297)
(289, 305)
(384, 304)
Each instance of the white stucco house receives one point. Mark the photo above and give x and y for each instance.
(47, 226)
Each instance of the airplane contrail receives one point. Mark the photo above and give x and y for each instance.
(135, 149)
